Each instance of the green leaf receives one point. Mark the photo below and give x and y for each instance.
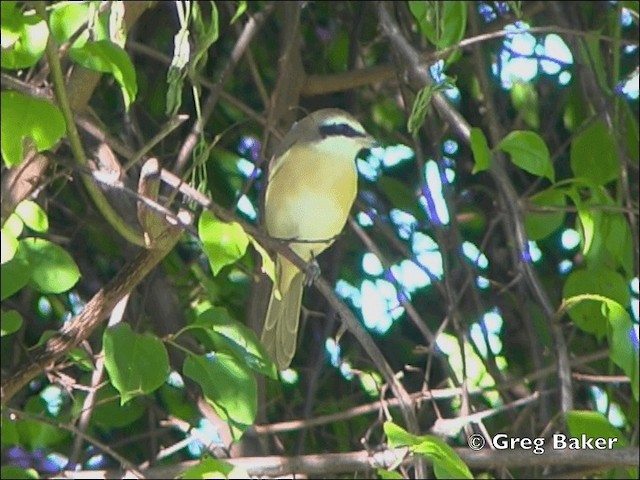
(529, 152)
(588, 314)
(481, 151)
(37, 434)
(593, 425)
(632, 137)
(17, 472)
(27, 119)
(46, 335)
(14, 225)
(110, 413)
(66, 19)
(454, 23)
(238, 340)
(223, 243)
(591, 49)
(15, 274)
(618, 240)
(240, 9)
(371, 382)
(541, 225)
(33, 216)
(576, 109)
(176, 402)
(420, 107)
(137, 363)
(10, 322)
(446, 463)
(442, 23)
(24, 37)
(606, 235)
(388, 474)
(593, 155)
(177, 70)
(419, 11)
(105, 56)
(52, 268)
(524, 97)
(337, 51)
(228, 386)
(399, 437)
(205, 34)
(8, 245)
(82, 359)
(623, 343)
(10, 435)
(213, 468)
(585, 224)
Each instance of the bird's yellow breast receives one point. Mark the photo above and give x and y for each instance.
(310, 193)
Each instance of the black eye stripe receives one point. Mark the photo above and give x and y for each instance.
(339, 129)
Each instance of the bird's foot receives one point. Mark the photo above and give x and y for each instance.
(313, 272)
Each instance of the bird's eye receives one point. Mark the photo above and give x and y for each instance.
(339, 129)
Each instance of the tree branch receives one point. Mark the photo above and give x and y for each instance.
(334, 463)
(81, 326)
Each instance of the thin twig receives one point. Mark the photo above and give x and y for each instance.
(15, 413)
(251, 28)
(506, 188)
(166, 129)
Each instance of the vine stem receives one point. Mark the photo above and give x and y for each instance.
(79, 154)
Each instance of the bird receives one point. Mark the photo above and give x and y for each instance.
(311, 187)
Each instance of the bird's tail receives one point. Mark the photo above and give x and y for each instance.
(280, 331)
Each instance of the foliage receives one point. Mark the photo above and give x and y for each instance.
(42, 124)
(446, 464)
(495, 232)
